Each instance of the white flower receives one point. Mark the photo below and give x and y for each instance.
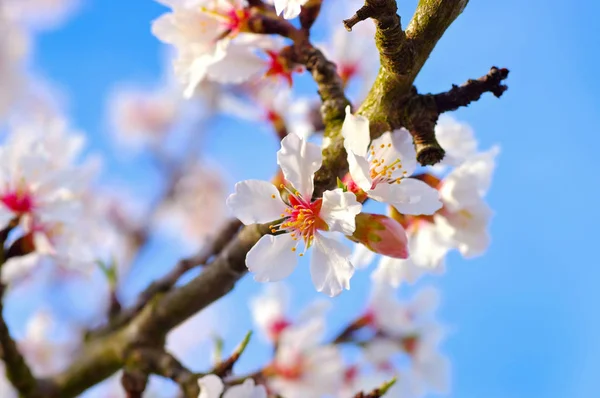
(45, 353)
(457, 139)
(247, 389)
(428, 248)
(43, 189)
(289, 8)
(353, 53)
(208, 38)
(143, 116)
(274, 257)
(196, 206)
(271, 103)
(382, 169)
(466, 216)
(211, 386)
(302, 367)
(269, 310)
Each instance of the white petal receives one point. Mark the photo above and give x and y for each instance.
(299, 160)
(410, 196)
(272, 258)
(359, 169)
(330, 266)
(211, 386)
(356, 133)
(362, 257)
(457, 139)
(246, 390)
(394, 271)
(256, 202)
(397, 145)
(339, 210)
(429, 246)
(238, 65)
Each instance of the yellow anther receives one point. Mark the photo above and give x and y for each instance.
(301, 254)
(273, 196)
(382, 145)
(389, 145)
(273, 230)
(293, 249)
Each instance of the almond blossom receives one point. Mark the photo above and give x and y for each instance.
(408, 328)
(269, 311)
(212, 42)
(461, 224)
(303, 367)
(381, 170)
(303, 220)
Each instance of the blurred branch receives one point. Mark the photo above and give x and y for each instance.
(146, 361)
(17, 370)
(211, 247)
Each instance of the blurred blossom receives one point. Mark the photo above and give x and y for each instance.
(212, 42)
(270, 311)
(42, 188)
(14, 46)
(143, 116)
(303, 367)
(41, 14)
(46, 352)
(197, 206)
(408, 328)
(274, 105)
(457, 139)
(353, 52)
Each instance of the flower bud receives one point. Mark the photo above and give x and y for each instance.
(381, 234)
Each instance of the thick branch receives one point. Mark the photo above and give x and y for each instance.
(159, 362)
(402, 57)
(212, 247)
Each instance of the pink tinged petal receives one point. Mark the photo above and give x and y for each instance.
(256, 202)
(299, 160)
(356, 133)
(272, 258)
(410, 196)
(330, 266)
(359, 169)
(211, 386)
(339, 210)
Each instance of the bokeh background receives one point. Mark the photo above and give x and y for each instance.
(523, 318)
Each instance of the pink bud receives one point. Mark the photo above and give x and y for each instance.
(381, 234)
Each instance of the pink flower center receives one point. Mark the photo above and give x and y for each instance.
(236, 20)
(350, 374)
(18, 201)
(347, 71)
(293, 370)
(278, 67)
(277, 327)
(301, 219)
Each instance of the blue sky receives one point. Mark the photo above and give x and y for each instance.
(524, 316)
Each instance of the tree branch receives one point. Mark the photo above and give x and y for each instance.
(212, 247)
(17, 370)
(472, 90)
